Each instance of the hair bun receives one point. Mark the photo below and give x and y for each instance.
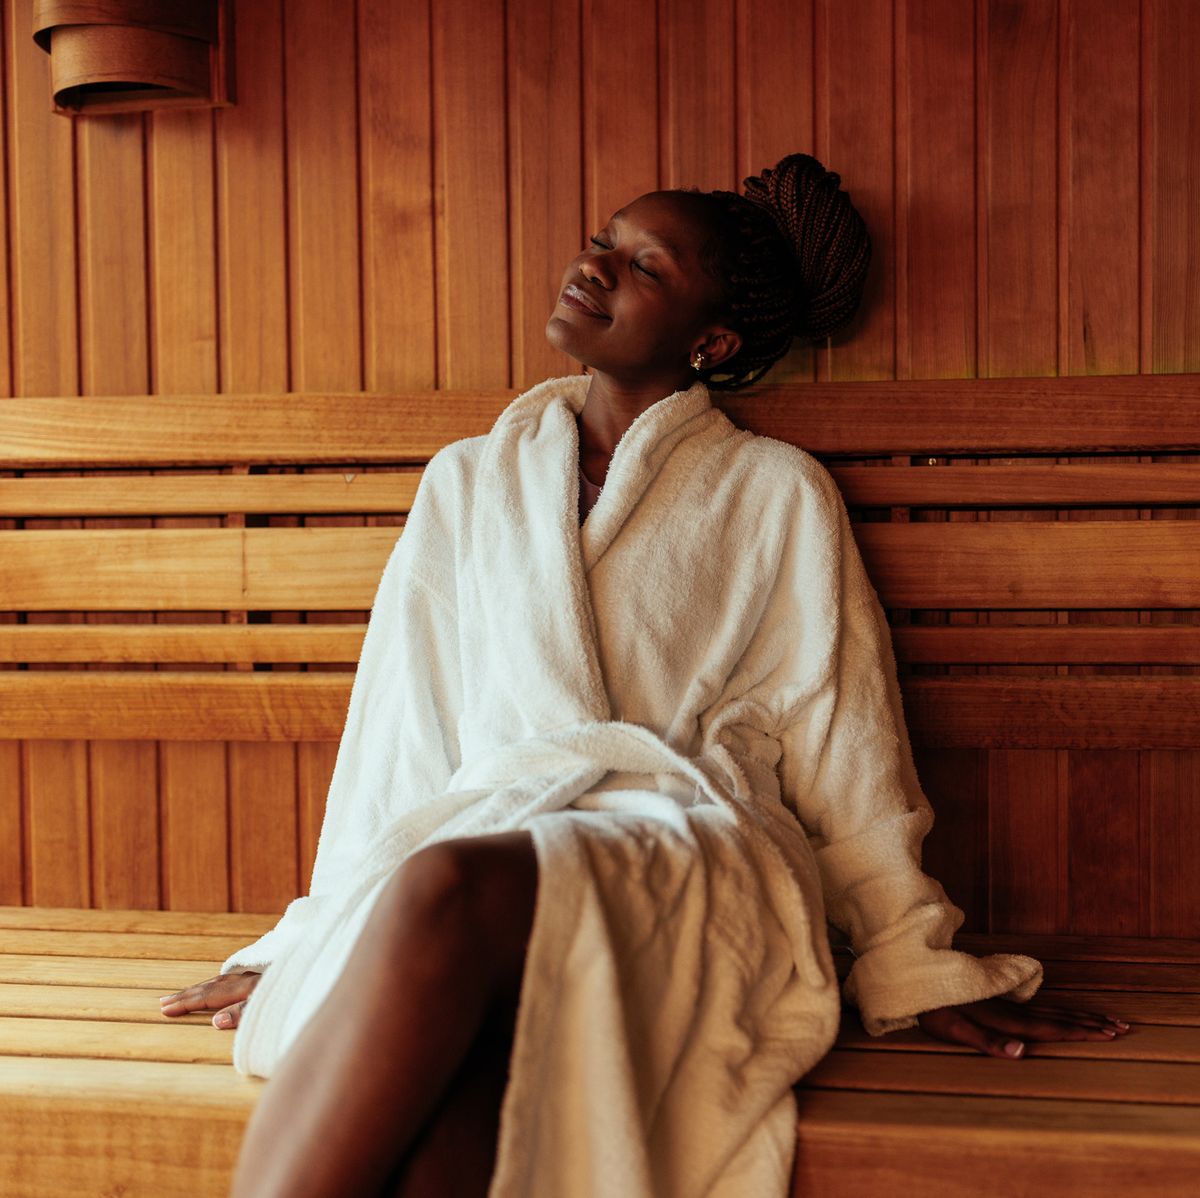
(828, 238)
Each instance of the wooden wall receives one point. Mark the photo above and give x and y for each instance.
(390, 205)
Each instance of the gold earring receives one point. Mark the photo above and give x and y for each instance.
(698, 360)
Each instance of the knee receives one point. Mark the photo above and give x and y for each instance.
(436, 887)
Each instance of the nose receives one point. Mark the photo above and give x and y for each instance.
(594, 269)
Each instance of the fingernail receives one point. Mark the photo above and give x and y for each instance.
(165, 997)
(1120, 1023)
(224, 1019)
(1014, 1048)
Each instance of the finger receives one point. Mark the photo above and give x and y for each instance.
(1032, 1025)
(1093, 1017)
(230, 1016)
(210, 995)
(952, 1025)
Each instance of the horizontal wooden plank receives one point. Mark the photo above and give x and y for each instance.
(186, 495)
(1032, 1077)
(192, 569)
(120, 1127)
(194, 430)
(1094, 564)
(1062, 644)
(1068, 414)
(1036, 564)
(1143, 1007)
(196, 1089)
(1092, 485)
(1163, 949)
(998, 712)
(102, 1040)
(991, 712)
(164, 977)
(175, 923)
(140, 705)
(119, 643)
(135, 945)
(121, 1005)
(904, 1143)
(1048, 415)
(1152, 1042)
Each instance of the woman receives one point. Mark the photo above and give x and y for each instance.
(600, 786)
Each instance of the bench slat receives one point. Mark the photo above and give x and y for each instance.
(1083, 948)
(903, 1143)
(194, 430)
(1108, 644)
(1110, 564)
(1147, 1042)
(188, 495)
(184, 923)
(1008, 712)
(1140, 644)
(1091, 485)
(163, 977)
(1034, 1077)
(1178, 1009)
(135, 945)
(123, 1005)
(99, 705)
(88, 1039)
(194, 569)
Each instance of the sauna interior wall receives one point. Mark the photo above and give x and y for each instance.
(390, 205)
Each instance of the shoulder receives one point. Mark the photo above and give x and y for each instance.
(786, 476)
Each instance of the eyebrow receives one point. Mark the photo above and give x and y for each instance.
(657, 242)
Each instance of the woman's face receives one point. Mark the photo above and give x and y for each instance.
(637, 302)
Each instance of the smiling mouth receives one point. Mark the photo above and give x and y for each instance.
(573, 297)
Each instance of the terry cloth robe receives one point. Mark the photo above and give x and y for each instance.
(691, 704)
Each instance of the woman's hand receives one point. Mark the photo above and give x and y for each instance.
(1000, 1027)
(226, 994)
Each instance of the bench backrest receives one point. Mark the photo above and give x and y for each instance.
(1033, 540)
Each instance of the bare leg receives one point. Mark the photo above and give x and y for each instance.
(444, 948)
(455, 1154)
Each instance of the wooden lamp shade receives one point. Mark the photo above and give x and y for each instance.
(125, 55)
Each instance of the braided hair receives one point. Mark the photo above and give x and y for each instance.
(791, 255)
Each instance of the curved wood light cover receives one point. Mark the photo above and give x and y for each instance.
(123, 55)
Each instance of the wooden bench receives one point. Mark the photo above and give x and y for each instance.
(1030, 647)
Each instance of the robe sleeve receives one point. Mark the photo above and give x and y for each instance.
(399, 746)
(846, 769)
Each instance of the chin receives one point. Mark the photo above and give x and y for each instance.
(559, 333)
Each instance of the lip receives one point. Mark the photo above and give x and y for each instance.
(575, 298)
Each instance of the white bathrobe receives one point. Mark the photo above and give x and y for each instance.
(691, 704)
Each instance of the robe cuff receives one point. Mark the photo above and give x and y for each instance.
(891, 986)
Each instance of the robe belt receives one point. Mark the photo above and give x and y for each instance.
(608, 746)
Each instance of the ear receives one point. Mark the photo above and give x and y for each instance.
(718, 345)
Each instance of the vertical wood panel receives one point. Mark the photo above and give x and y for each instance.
(1104, 843)
(1020, 173)
(192, 776)
(1025, 860)
(854, 137)
(263, 838)
(254, 343)
(471, 180)
(620, 105)
(42, 268)
(114, 360)
(1171, 244)
(696, 89)
(545, 168)
(774, 74)
(935, 234)
(251, 239)
(397, 196)
(956, 850)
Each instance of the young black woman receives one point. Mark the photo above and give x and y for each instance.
(569, 938)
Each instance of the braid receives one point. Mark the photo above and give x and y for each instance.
(792, 256)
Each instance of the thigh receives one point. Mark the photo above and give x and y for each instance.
(491, 883)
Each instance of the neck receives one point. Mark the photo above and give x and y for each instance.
(612, 405)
